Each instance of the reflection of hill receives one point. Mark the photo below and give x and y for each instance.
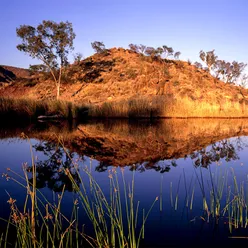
(117, 143)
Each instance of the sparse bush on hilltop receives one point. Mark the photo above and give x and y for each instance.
(198, 65)
(209, 58)
(220, 69)
(99, 47)
(159, 52)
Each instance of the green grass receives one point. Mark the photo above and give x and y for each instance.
(41, 223)
(223, 197)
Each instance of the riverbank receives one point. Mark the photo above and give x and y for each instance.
(141, 107)
(124, 84)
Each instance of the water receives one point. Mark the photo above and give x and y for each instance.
(189, 165)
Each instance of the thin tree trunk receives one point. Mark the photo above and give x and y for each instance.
(58, 90)
(58, 83)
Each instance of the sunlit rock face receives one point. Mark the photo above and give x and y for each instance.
(122, 76)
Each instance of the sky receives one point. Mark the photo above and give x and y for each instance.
(186, 25)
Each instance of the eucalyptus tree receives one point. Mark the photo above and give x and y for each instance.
(221, 69)
(98, 47)
(159, 51)
(134, 47)
(209, 58)
(176, 55)
(142, 49)
(243, 82)
(49, 42)
(168, 51)
(198, 65)
(234, 71)
(151, 51)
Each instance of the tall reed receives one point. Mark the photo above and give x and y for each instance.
(41, 223)
(28, 109)
(102, 211)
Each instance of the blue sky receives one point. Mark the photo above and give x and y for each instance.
(187, 25)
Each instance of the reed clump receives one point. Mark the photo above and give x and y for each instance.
(30, 109)
(189, 107)
(41, 223)
(224, 198)
(139, 107)
(156, 106)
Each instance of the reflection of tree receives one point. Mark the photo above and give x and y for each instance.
(160, 166)
(103, 166)
(51, 172)
(224, 149)
(219, 150)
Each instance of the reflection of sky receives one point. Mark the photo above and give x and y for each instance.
(178, 182)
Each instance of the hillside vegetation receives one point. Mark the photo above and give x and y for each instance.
(119, 80)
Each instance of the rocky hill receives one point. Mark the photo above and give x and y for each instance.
(120, 75)
(10, 74)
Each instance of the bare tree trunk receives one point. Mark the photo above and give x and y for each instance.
(58, 83)
(58, 90)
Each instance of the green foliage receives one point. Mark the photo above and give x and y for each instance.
(209, 58)
(49, 42)
(176, 55)
(142, 48)
(159, 52)
(77, 57)
(244, 81)
(98, 47)
(189, 62)
(198, 65)
(229, 72)
(234, 71)
(168, 51)
(134, 47)
(73, 73)
(37, 68)
(151, 51)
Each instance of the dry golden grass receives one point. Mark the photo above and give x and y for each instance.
(109, 83)
(18, 109)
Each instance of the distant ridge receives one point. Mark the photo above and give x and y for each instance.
(10, 73)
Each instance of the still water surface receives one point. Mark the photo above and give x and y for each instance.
(197, 169)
